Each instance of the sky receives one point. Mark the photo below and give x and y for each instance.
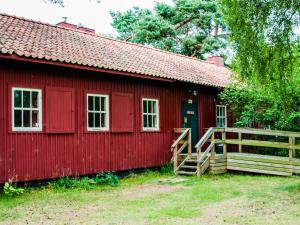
(87, 12)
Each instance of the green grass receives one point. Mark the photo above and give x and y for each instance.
(155, 198)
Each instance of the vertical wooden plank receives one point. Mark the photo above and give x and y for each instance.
(190, 142)
(175, 158)
(224, 144)
(213, 150)
(240, 138)
(291, 149)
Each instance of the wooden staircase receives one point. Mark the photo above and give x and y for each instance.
(204, 157)
(191, 163)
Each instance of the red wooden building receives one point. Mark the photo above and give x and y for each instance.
(73, 102)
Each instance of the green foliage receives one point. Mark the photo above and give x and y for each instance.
(185, 27)
(267, 63)
(253, 104)
(263, 38)
(65, 183)
(107, 178)
(167, 169)
(84, 183)
(12, 190)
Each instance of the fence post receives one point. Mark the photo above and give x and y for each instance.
(190, 142)
(240, 139)
(198, 162)
(224, 144)
(175, 158)
(292, 148)
(213, 150)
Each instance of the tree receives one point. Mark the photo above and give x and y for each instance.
(189, 27)
(267, 63)
(262, 35)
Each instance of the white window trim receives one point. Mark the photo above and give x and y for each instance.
(40, 117)
(157, 114)
(218, 117)
(106, 128)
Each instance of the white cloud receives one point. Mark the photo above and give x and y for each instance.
(88, 12)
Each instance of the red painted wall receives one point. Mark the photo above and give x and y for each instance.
(31, 156)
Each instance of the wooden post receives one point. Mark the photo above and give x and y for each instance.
(292, 148)
(198, 163)
(190, 142)
(240, 139)
(175, 158)
(213, 150)
(224, 144)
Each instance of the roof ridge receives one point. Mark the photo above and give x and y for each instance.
(108, 38)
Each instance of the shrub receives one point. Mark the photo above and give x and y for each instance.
(12, 190)
(71, 183)
(167, 169)
(107, 178)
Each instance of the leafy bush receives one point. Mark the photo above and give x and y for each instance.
(167, 169)
(12, 190)
(107, 178)
(71, 183)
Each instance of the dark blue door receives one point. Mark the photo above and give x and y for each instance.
(189, 119)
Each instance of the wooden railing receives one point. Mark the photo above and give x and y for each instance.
(290, 145)
(182, 142)
(205, 149)
(209, 136)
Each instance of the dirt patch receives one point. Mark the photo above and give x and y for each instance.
(147, 190)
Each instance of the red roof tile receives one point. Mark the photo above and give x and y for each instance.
(27, 38)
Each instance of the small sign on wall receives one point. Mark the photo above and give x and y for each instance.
(191, 113)
(190, 101)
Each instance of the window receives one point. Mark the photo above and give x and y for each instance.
(26, 109)
(221, 116)
(150, 114)
(97, 112)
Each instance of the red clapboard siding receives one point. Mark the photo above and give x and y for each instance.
(60, 110)
(122, 112)
(41, 155)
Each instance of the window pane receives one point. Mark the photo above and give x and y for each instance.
(154, 106)
(103, 119)
(97, 103)
(144, 106)
(34, 99)
(103, 105)
(150, 122)
(34, 118)
(145, 124)
(18, 118)
(26, 118)
(97, 120)
(155, 121)
(149, 107)
(91, 119)
(90, 103)
(26, 99)
(17, 98)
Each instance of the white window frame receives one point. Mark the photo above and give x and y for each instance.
(153, 114)
(106, 128)
(221, 116)
(39, 109)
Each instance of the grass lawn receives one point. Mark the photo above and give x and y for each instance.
(153, 198)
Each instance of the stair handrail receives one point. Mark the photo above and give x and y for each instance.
(187, 143)
(201, 156)
(204, 138)
(176, 142)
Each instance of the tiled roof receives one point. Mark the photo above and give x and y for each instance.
(31, 39)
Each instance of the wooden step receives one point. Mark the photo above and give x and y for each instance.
(191, 161)
(185, 173)
(188, 167)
